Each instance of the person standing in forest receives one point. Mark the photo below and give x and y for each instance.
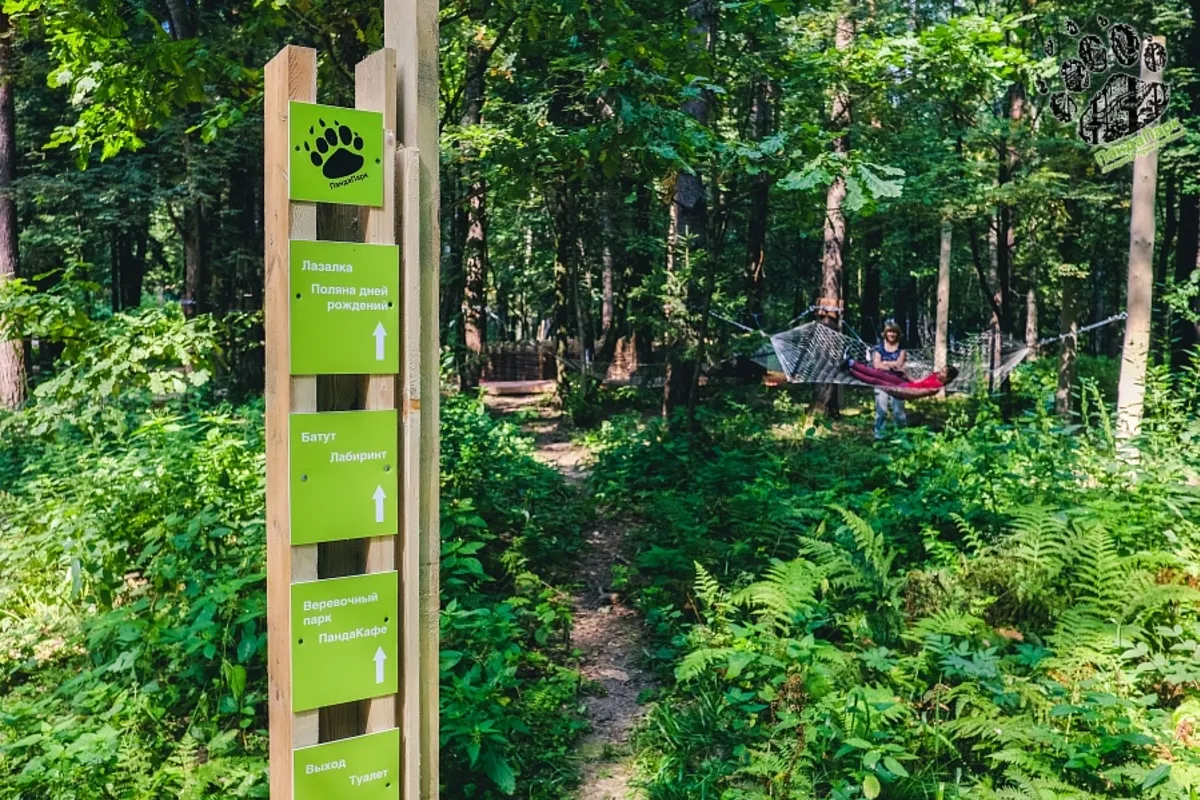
(889, 355)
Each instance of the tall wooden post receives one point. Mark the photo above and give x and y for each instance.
(395, 708)
(411, 29)
(291, 75)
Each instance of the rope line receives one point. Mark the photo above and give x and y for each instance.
(1084, 329)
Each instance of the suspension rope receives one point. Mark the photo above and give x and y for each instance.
(1084, 329)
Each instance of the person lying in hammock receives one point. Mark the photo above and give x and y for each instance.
(890, 380)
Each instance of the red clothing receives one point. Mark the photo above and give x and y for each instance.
(930, 381)
(885, 377)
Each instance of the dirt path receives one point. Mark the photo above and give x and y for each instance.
(607, 632)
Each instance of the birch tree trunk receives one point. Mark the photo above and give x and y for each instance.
(941, 342)
(1131, 390)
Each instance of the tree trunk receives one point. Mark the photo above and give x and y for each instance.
(1187, 253)
(760, 191)
(563, 213)
(868, 301)
(1131, 390)
(641, 264)
(1068, 348)
(1162, 277)
(1186, 329)
(689, 223)
(1071, 253)
(193, 258)
(825, 400)
(1031, 312)
(606, 279)
(941, 340)
(475, 245)
(12, 350)
(1006, 234)
(182, 23)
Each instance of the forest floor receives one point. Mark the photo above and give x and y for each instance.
(607, 632)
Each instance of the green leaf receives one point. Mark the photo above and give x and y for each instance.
(871, 787)
(1156, 776)
(498, 769)
(893, 766)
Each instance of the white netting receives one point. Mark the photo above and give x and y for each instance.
(814, 353)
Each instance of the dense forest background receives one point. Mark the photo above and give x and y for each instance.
(611, 167)
(999, 603)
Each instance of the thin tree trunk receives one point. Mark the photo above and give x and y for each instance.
(1071, 252)
(941, 341)
(12, 350)
(760, 191)
(475, 245)
(1187, 257)
(832, 262)
(1131, 390)
(561, 200)
(640, 267)
(1069, 347)
(1031, 313)
(1162, 325)
(1186, 328)
(606, 259)
(193, 258)
(1006, 234)
(868, 301)
(688, 233)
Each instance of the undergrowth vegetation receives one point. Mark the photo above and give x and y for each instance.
(132, 638)
(996, 608)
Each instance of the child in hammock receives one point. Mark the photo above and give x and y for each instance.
(936, 380)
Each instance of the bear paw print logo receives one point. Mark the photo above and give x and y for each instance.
(1125, 104)
(336, 149)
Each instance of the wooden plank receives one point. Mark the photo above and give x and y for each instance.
(411, 29)
(291, 75)
(409, 701)
(375, 90)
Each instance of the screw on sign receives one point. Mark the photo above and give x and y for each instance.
(360, 767)
(345, 308)
(343, 471)
(344, 627)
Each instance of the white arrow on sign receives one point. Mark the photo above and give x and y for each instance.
(380, 657)
(379, 497)
(379, 335)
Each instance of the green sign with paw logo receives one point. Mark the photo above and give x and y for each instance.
(336, 155)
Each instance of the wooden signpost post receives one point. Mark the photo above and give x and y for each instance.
(352, 547)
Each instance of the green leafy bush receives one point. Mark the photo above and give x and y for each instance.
(131, 577)
(995, 608)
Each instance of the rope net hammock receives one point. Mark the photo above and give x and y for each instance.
(815, 353)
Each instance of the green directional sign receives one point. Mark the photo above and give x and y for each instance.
(345, 308)
(336, 155)
(344, 640)
(343, 475)
(358, 768)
